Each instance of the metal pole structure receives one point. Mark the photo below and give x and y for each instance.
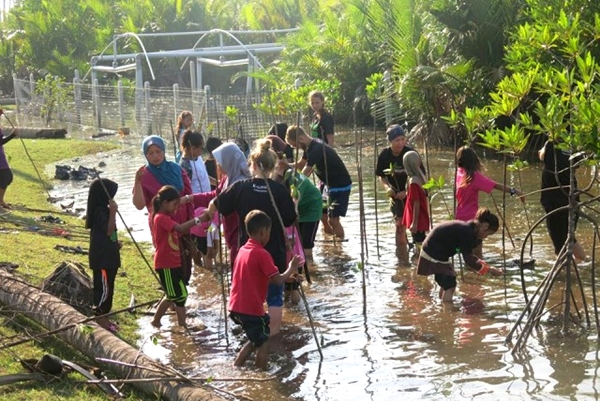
(77, 97)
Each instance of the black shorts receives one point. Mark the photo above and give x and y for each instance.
(256, 327)
(201, 244)
(308, 231)
(445, 281)
(397, 209)
(173, 284)
(419, 237)
(6, 178)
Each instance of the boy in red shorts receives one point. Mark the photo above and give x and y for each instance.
(253, 270)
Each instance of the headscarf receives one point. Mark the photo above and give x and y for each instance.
(167, 173)
(98, 198)
(412, 164)
(233, 162)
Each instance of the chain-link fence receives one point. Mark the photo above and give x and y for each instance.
(143, 111)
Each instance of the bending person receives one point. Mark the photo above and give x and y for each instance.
(449, 238)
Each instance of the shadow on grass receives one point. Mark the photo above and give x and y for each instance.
(30, 177)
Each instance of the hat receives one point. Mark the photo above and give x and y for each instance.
(394, 131)
(277, 144)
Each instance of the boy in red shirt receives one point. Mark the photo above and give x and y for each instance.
(253, 270)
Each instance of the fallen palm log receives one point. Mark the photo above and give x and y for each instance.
(53, 314)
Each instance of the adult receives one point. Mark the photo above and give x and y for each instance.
(392, 176)
(262, 193)
(279, 130)
(336, 182)
(149, 179)
(322, 126)
(556, 181)
(232, 166)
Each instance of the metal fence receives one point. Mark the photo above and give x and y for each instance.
(143, 111)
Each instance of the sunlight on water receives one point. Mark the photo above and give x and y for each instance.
(408, 346)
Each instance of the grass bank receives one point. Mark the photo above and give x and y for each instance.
(35, 253)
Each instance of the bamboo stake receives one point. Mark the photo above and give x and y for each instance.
(375, 179)
(361, 216)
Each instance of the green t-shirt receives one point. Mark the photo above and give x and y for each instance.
(310, 201)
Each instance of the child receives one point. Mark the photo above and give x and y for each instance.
(322, 121)
(192, 144)
(185, 121)
(254, 269)
(104, 255)
(206, 237)
(416, 213)
(449, 238)
(210, 163)
(167, 260)
(470, 180)
(6, 175)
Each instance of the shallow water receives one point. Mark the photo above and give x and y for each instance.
(408, 344)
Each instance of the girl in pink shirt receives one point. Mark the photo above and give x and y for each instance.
(470, 181)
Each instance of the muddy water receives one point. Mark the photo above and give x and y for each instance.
(407, 345)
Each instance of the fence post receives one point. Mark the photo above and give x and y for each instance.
(17, 94)
(175, 101)
(96, 104)
(77, 97)
(148, 105)
(33, 107)
(205, 123)
(121, 95)
(139, 93)
(58, 103)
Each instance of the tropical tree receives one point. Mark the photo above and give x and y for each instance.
(552, 90)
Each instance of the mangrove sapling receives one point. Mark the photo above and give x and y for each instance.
(361, 204)
(435, 188)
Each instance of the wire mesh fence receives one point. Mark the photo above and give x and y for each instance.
(81, 107)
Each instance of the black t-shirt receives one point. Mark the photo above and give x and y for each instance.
(322, 126)
(104, 250)
(318, 155)
(555, 160)
(450, 237)
(247, 195)
(387, 160)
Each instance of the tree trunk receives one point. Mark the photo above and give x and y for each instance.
(53, 314)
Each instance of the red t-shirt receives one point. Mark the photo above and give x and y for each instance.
(252, 270)
(166, 242)
(416, 194)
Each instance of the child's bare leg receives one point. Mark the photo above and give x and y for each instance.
(181, 318)
(2, 203)
(262, 354)
(448, 294)
(578, 252)
(244, 353)
(162, 308)
(276, 317)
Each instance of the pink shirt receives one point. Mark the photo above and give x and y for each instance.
(467, 196)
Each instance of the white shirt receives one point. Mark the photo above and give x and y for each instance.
(199, 178)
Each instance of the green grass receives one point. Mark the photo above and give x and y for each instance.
(36, 257)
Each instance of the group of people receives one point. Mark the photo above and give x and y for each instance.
(269, 210)
(267, 206)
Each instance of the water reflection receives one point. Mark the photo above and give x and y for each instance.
(408, 345)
